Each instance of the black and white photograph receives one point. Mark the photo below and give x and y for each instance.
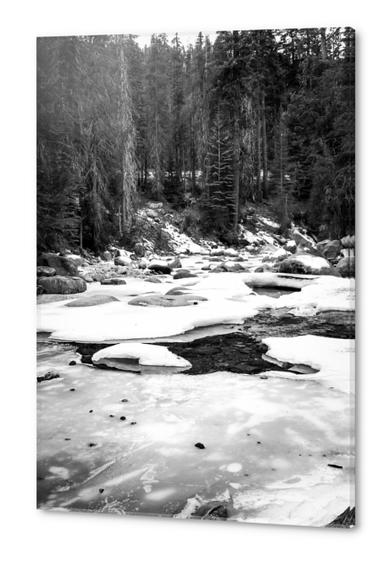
(195, 275)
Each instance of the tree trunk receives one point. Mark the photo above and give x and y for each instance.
(259, 187)
(265, 150)
(128, 146)
(322, 34)
(236, 170)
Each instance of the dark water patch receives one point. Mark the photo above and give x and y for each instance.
(234, 352)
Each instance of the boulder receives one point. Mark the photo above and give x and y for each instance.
(217, 252)
(306, 264)
(152, 214)
(63, 265)
(348, 241)
(174, 263)
(263, 267)
(330, 249)
(61, 285)
(113, 281)
(158, 299)
(123, 260)
(159, 267)
(231, 253)
(290, 246)
(45, 271)
(91, 300)
(233, 267)
(139, 249)
(183, 274)
(346, 267)
(106, 256)
(302, 239)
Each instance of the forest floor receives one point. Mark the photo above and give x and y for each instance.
(265, 430)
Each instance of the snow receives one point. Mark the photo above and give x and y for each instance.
(229, 301)
(144, 354)
(334, 358)
(283, 280)
(182, 243)
(326, 293)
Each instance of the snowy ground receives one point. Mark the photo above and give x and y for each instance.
(268, 441)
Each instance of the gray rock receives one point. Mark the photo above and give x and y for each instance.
(315, 266)
(61, 285)
(183, 274)
(113, 281)
(234, 267)
(107, 256)
(63, 265)
(91, 300)
(330, 249)
(346, 267)
(348, 241)
(123, 260)
(45, 271)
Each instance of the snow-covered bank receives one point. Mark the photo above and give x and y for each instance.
(228, 300)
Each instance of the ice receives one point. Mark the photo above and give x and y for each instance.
(302, 427)
(143, 354)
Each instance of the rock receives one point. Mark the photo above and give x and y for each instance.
(106, 256)
(220, 268)
(142, 264)
(61, 285)
(303, 240)
(157, 299)
(183, 274)
(234, 267)
(211, 510)
(139, 249)
(306, 264)
(113, 281)
(217, 252)
(158, 267)
(123, 260)
(45, 271)
(330, 249)
(152, 214)
(175, 263)
(153, 279)
(346, 267)
(290, 246)
(231, 253)
(87, 278)
(63, 265)
(92, 300)
(263, 267)
(348, 241)
(48, 376)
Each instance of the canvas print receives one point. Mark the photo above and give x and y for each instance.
(196, 275)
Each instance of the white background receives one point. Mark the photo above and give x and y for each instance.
(29, 534)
